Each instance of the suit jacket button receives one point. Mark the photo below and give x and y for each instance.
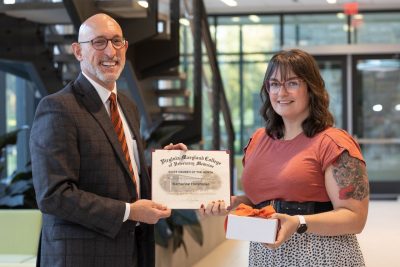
(132, 233)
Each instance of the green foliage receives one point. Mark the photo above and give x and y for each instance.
(18, 192)
(172, 228)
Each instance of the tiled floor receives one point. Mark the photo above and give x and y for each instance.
(379, 241)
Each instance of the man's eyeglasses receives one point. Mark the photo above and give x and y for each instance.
(100, 43)
(274, 86)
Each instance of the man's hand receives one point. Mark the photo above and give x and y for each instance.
(147, 211)
(179, 146)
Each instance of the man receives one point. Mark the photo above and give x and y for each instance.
(89, 171)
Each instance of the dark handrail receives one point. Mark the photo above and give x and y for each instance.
(197, 62)
(217, 85)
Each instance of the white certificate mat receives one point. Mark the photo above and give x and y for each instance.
(187, 179)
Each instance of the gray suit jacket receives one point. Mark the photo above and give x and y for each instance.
(82, 182)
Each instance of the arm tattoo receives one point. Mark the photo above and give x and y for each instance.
(351, 176)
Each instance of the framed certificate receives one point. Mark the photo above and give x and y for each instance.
(187, 179)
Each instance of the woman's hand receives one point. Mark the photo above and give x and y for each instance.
(219, 207)
(215, 208)
(287, 227)
(179, 146)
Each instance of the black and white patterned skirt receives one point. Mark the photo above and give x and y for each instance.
(309, 250)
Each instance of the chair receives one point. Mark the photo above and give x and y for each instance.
(19, 236)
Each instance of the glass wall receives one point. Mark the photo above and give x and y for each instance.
(18, 98)
(376, 28)
(309, 29)
(246, 43)
(377, 120)
(333, 70)
(10, 120)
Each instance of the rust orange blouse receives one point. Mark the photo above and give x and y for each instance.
(293, 170)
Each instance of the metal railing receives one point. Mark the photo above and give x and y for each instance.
(196, 13)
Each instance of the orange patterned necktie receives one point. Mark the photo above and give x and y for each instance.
(119, 130)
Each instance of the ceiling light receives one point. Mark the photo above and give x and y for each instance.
(377, 107)
(230, 2)
(397, 107)
(358, 16)
(144, 4)
(331, 1)
(340, 15)
(254, 18)
(9, 2)
(235, 19)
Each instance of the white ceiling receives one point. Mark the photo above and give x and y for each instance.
(273, 6)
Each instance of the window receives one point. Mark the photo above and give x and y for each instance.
(333, 72)
(377, 120)
(311, 30)
(263, 36)
(381, 28)
(18, 102)
(11, 120)
(246, 43)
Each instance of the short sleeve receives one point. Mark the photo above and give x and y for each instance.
(333, 143)
(251, 144)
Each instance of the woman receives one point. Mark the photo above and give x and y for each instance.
(302, 165)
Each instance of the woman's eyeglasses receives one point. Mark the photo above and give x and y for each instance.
(100, 43)
(273, 86)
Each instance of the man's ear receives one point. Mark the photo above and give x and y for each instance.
(76, 48)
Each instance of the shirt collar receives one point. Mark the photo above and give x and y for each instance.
(103, 92)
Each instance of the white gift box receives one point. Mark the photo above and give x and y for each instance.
(251, 228)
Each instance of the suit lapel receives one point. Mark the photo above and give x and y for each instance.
(92, 101)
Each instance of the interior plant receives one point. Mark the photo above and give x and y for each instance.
(172, 229)
(17, 190)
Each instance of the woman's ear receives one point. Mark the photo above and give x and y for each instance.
(76, 48)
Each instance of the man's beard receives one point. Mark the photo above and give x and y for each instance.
(104, 77)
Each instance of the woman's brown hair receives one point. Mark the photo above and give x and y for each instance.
(305, 67)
